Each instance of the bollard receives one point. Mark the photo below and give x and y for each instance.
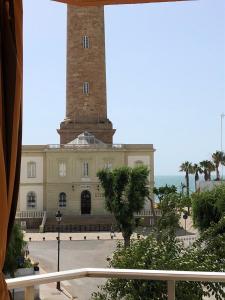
(98, 237)
(43, 238)
(29, 239)
(70, 238)
(85, 237)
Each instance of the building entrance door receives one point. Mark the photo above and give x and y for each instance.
(85, 203)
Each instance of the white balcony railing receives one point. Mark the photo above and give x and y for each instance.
(188, 240)
(26, 214)
(170, 276)
(148, 213)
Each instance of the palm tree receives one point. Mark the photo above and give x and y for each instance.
(210, 168)
(187, 168)
(204, 165)
(223, 160)
(196, 169)
(218, 158)
(223, 163)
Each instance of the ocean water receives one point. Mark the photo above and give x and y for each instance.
(174, 180)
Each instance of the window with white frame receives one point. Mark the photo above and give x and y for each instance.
(62, 169)
(85, 41)
(31, 200)
(62, 199)
(139, 163)
(85, 168)
(86, 88)
(108, 165)
(31, 169)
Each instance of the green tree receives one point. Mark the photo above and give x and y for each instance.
(223, 160)
(203, 165)
(162, 191)
(165, 253)
(126, 190)
(218, 158)
(208, 207)
(14, 251)
(196, 171)
(208, 167)
(170, 207)
(162, 251)
(187, 168)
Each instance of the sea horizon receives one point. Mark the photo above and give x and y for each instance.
(177, 180)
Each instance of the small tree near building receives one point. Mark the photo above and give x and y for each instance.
(208, 207)
(162, 191)
(14, 251)
(126, 190)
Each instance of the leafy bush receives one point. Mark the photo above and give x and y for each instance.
(14, 251)
(165, 253)
(162, 191)
(208, 207)
(172, 204)
(170, 212)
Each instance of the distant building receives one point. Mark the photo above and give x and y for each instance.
(204, 186)
(63, 177)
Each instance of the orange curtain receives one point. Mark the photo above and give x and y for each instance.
(110, 2)
(10, 121)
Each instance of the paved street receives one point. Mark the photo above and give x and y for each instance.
(78, 253)
(73, 255)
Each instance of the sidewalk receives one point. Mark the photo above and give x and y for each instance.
(49, 291)
(76, 236)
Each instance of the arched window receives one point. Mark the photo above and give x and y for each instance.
(62, 169)
(85, 41)
(31, 169)
(62, 199)
(85, 169)
(31, 200)
(139, 163)
(86, 88)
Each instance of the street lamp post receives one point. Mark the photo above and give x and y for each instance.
(185, 216)
(58, 217)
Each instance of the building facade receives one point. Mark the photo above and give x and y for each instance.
(63, 177)
(58, 177)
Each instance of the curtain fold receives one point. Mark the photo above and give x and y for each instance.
(11, 73)
(110, 2)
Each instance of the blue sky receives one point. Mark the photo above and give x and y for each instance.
(165, 76)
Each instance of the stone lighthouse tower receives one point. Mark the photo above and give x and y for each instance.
(86, 103)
